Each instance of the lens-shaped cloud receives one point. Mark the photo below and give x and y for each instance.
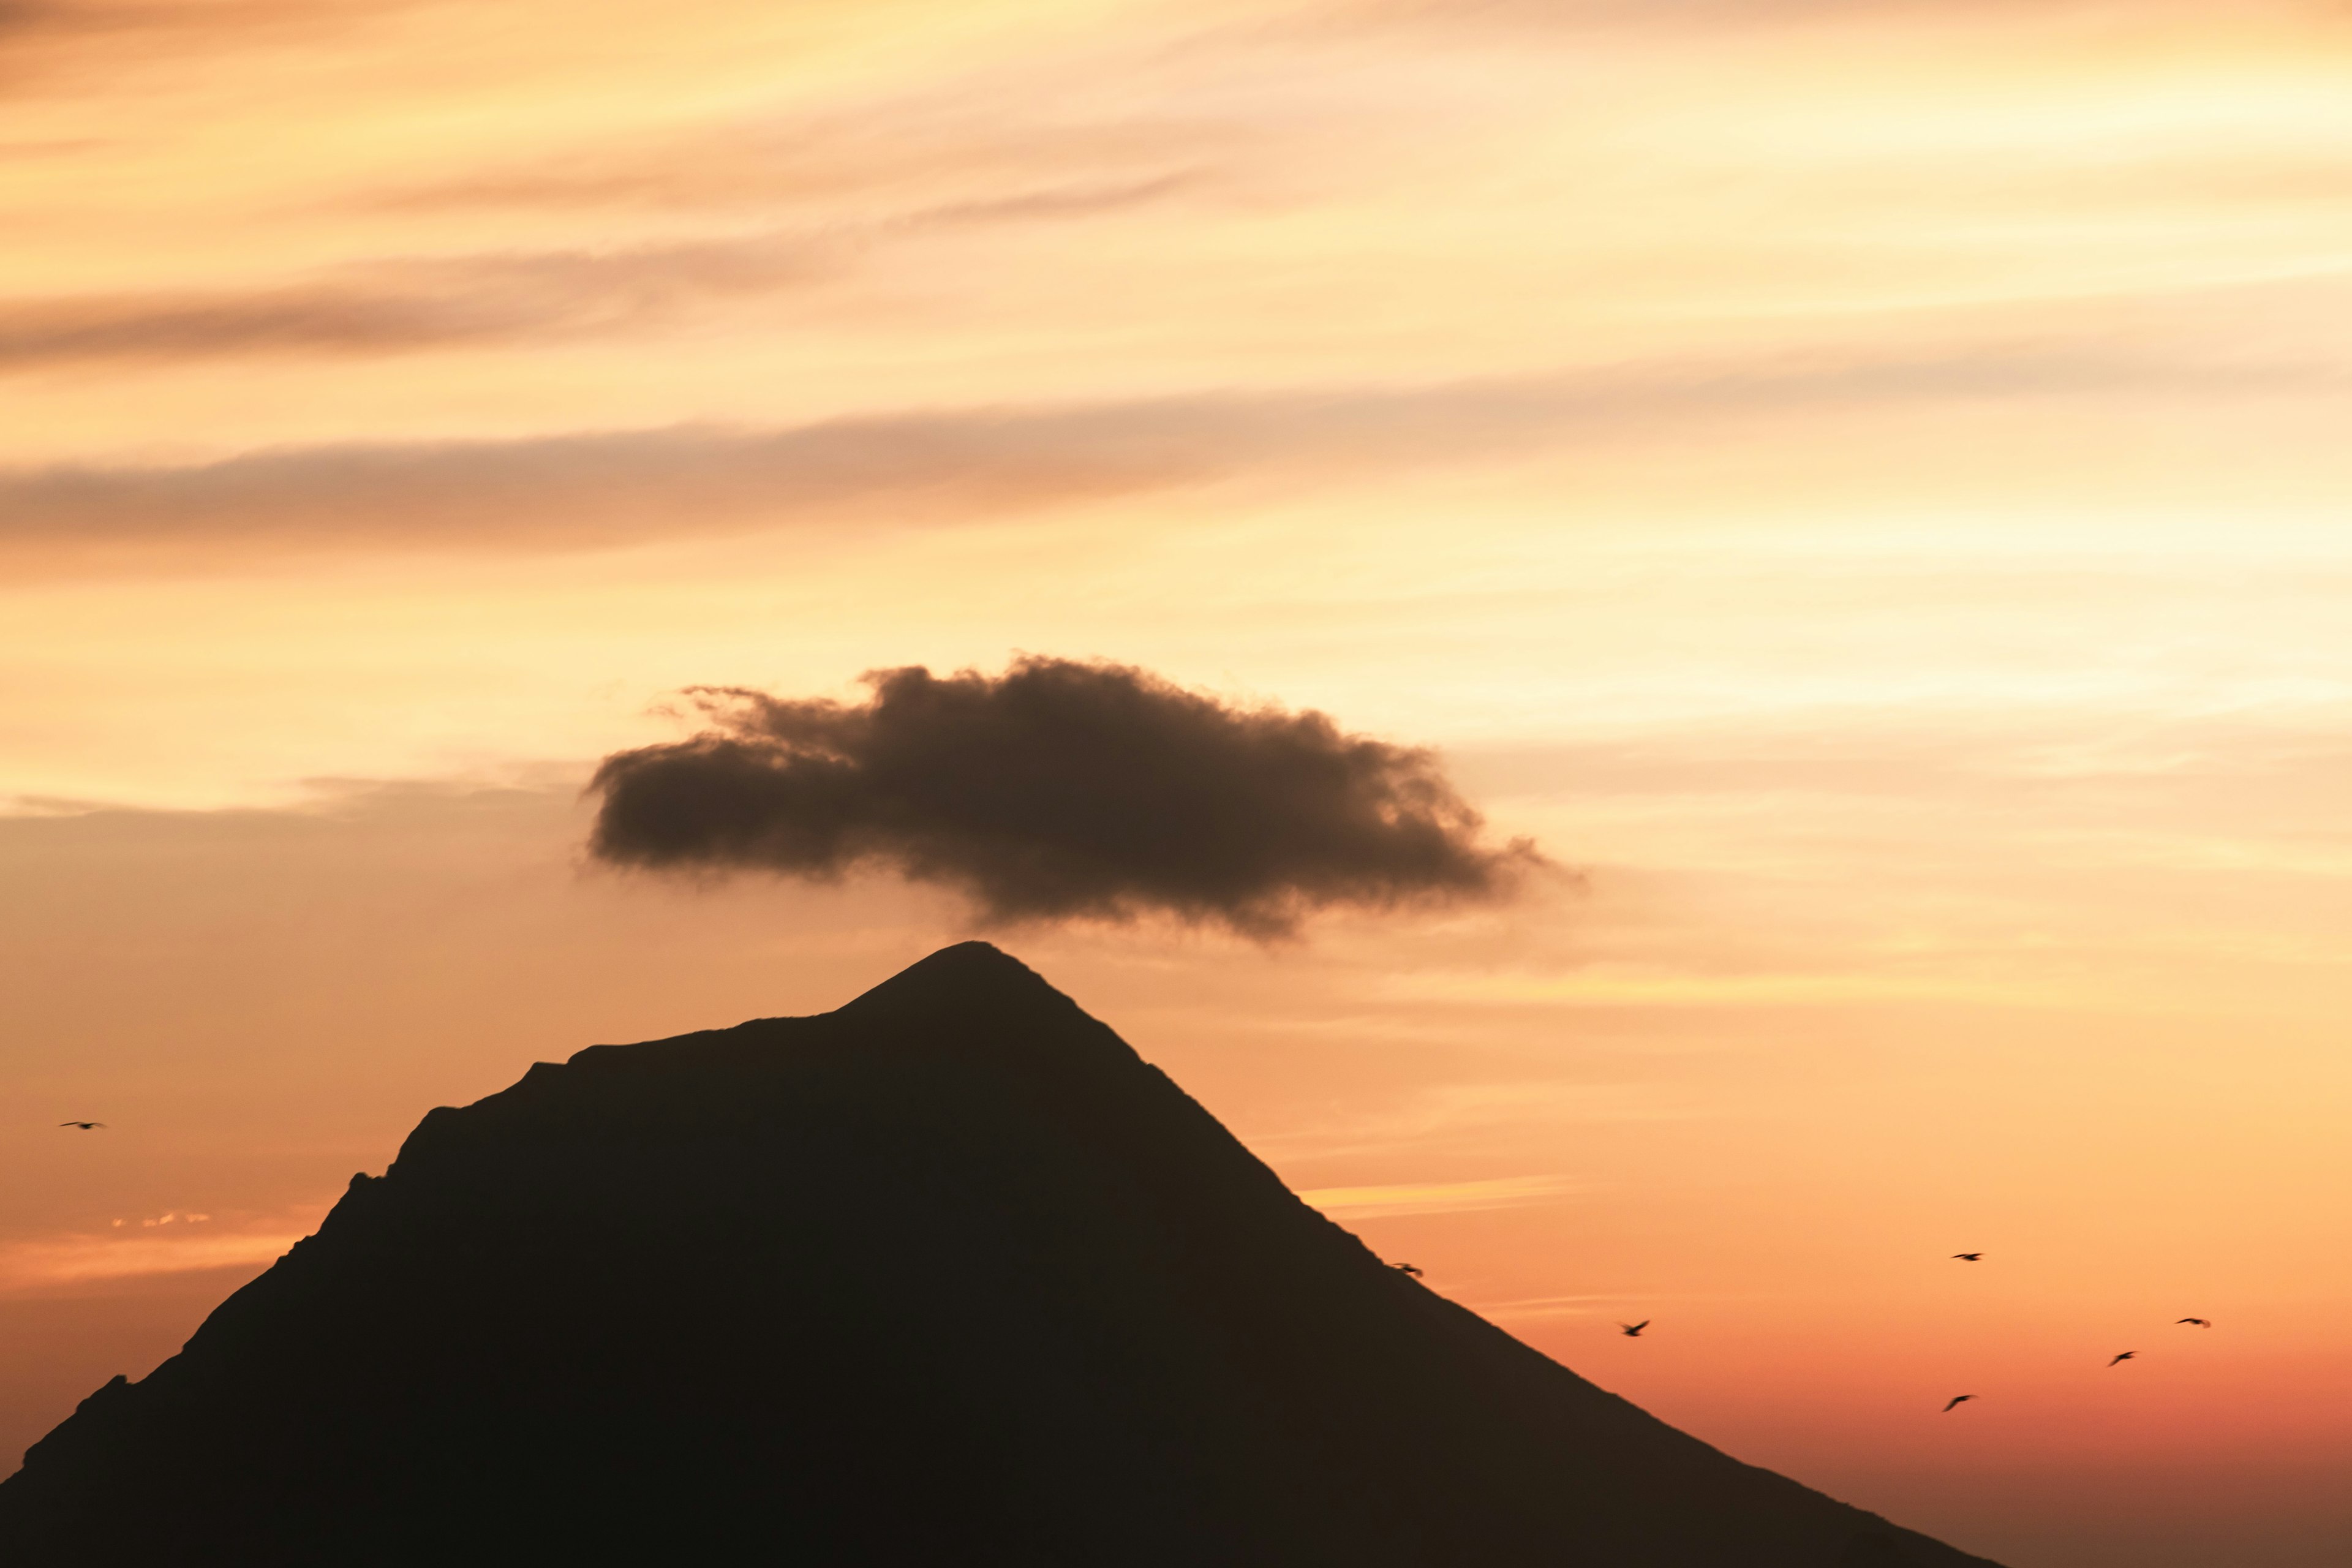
(1059, 790)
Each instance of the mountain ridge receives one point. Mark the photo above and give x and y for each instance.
(948, 1275)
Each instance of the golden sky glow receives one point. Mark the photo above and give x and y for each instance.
(1863, 484)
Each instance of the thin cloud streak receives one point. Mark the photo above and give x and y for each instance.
(976, 141)
(42, 39)
(398, 307)
(616, 489)
(1436, 1197)
(78, 1259)
(1680, 16)
(1556, 1307)
(406, 307)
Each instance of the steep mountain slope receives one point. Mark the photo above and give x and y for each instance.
(949, 1277)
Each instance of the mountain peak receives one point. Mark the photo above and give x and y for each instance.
(970, 1006)
(967, 976)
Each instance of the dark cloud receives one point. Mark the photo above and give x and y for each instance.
(1057, 790)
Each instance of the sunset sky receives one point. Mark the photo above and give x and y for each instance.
(1863, 485)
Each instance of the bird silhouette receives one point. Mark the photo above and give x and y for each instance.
(1632, 1330)
(1958, 1400)
(1407, 1269)
(2201, 1322)
(2126, 1355)
(1970, 1256)
(85, 1126)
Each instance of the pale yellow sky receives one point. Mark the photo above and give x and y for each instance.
(1863, 484)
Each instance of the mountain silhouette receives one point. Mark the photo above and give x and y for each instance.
(948, 1277)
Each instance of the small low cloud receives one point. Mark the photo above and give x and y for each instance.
(1059, 790)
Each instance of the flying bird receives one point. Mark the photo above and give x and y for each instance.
(1632, 1330)
(1407, 1269)
(85, 1126)
(2201, 1322)
(1970, 1257)
(1958, 1400)
(2126, 1355)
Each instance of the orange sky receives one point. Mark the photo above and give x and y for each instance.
(1863, 483)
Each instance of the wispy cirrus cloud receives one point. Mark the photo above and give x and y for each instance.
(595, 490)
(43, 39)
(605, 489)
(426, 303)
(400, 306)
(1681, 15)
(969, 145)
